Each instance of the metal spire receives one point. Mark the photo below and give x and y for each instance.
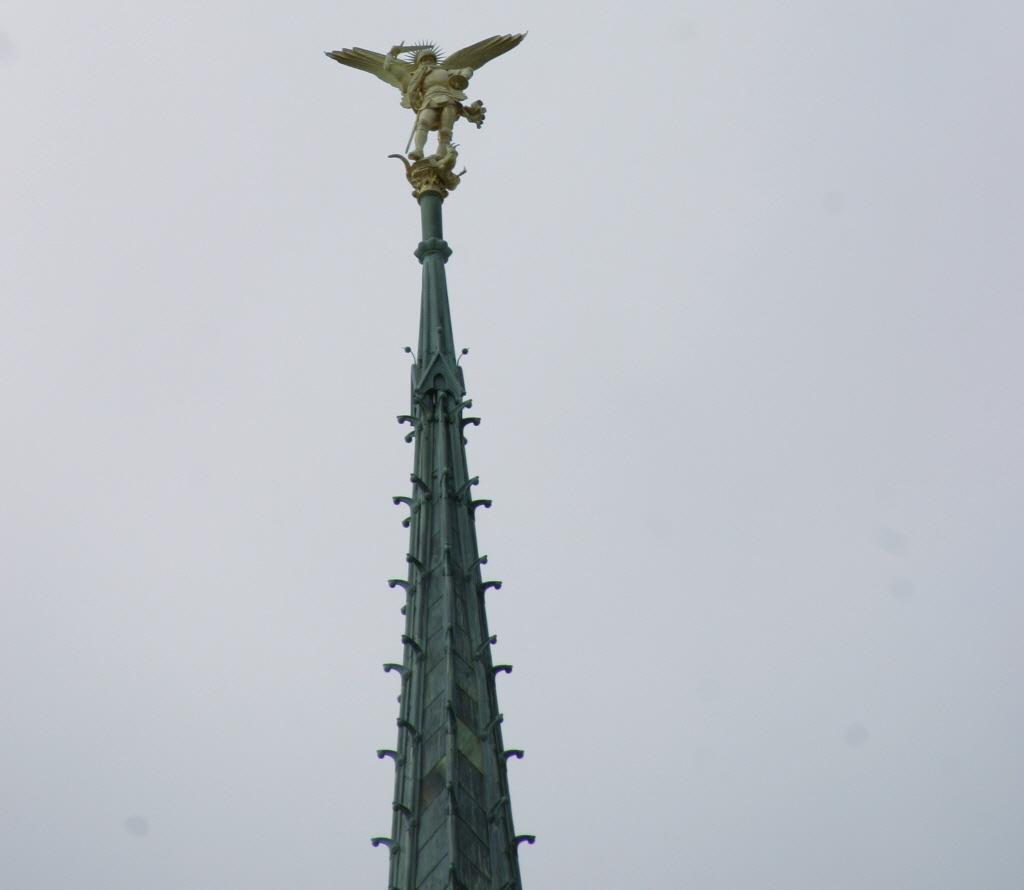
(452, 826)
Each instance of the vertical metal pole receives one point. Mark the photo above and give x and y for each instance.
(430, 215)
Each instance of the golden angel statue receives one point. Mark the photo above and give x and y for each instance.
(432, 86)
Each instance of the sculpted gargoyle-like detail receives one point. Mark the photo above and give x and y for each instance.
(430, 175)
(433, 87)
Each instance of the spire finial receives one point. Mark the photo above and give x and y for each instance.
(433, 88)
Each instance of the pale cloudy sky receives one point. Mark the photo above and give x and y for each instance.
(741, 282)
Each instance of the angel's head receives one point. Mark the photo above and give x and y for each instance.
(426, 56)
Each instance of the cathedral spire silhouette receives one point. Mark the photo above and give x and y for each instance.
(452, 824)
(452, 827)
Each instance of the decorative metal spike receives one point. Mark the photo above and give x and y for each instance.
(490, 727)
(385, 842)
(408, 727)
(479, 561)
(412, 644)
(463, 489)
(482, 648)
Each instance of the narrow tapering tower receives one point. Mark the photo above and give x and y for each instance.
(452, 827)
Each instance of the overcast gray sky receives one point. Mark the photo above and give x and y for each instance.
(741, 283)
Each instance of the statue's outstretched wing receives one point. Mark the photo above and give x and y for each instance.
(394, 72)
(479, 54)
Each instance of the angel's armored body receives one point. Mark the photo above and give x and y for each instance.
(436, 95)
(432, 87)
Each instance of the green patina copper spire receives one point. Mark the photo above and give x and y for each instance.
(452, 826)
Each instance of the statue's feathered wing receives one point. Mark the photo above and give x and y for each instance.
(367, 60)
(396, 71)
(479, 54)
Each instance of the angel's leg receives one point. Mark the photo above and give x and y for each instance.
(426, 120)
(449, 114)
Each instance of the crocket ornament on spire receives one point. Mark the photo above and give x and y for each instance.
(433, 87)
